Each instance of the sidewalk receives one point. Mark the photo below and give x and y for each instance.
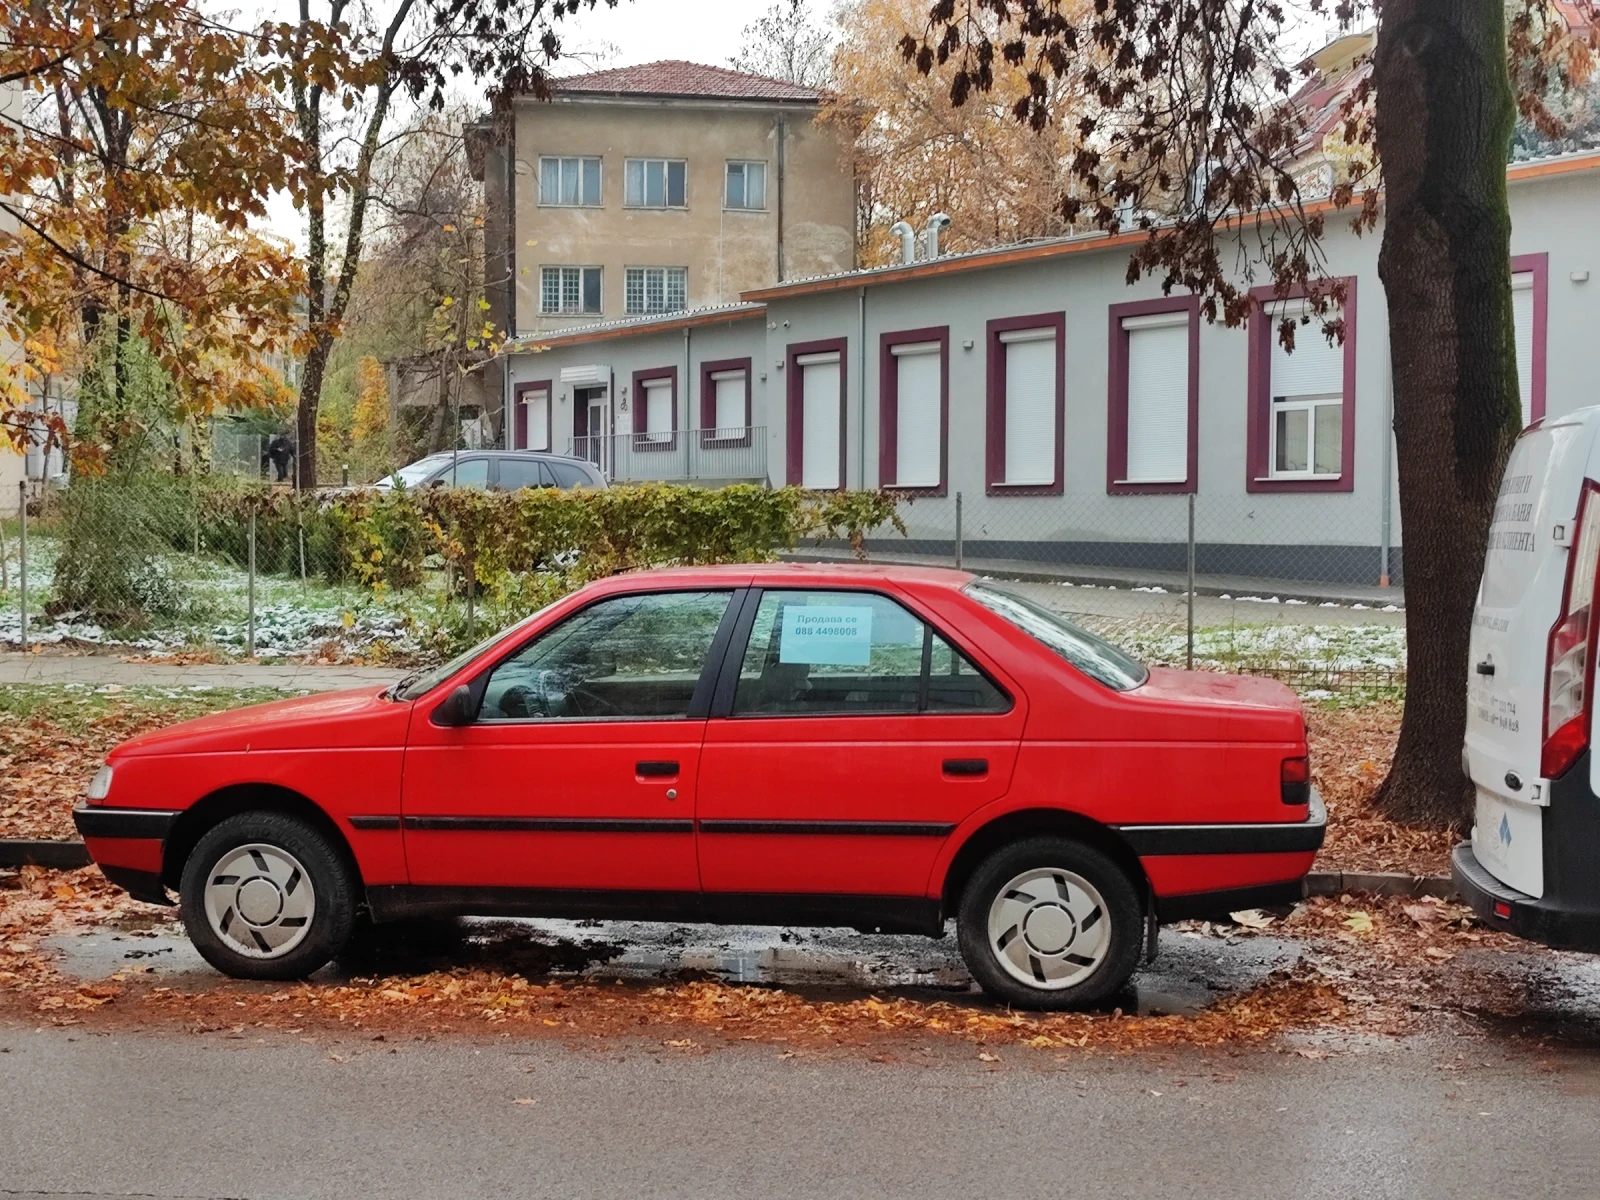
(1234, 586)
(97, 670)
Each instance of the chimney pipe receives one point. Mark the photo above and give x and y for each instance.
(908, 241)
(936, 222)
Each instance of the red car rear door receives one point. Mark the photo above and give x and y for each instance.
(848, 738)
(580, 769)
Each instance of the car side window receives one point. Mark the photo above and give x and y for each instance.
(569, 476)
(466, 472)
(518, 473)
(636, 657)
(834, 653)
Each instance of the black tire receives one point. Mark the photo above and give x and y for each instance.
(329, 916)
(1114, 948)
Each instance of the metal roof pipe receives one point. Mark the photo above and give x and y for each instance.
(908, 241)
(936, 223)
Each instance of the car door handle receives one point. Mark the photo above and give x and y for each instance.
(1486, 667)
(966, 766)
(656, 770)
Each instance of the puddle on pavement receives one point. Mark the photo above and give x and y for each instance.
(827, 963)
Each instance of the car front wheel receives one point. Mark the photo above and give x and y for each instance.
(1050, 923)
(265, 896)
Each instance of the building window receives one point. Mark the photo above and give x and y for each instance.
(569, 181)
(655, 409)
(1154, 396)
(725, 402)
(1302, 404)
(913, 402)
(654, 182)
(1027, 402)
(816, 412)
(569, 290)
(747, 185)
(1530, 274)
(657, 289)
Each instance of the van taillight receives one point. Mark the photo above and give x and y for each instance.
(1294, 779)
(1569, 663)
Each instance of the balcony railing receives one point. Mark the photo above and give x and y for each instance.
(684, 455)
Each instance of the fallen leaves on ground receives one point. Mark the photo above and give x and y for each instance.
(53, 739)
(1350, 753)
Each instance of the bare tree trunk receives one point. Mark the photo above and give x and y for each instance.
(1444, 118)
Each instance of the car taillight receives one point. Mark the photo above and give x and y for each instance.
(1294, 780)
(1569, 663)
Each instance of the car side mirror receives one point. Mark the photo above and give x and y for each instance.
(456, 710)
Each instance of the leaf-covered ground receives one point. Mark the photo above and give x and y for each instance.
(1364, 965)
(54, 737)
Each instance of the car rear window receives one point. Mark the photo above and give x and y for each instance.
(1094, 656)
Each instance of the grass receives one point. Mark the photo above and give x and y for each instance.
(78, 708)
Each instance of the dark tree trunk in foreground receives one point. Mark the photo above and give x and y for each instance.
(1444, 118)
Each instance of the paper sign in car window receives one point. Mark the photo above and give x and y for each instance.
(833, 634)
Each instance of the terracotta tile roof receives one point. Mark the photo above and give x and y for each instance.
(674, 77)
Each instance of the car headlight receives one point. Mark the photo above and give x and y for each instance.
(100, 785)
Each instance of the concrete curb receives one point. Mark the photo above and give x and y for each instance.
(39, 852)
(1379, 883)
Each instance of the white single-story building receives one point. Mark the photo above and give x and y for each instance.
(1072, 413)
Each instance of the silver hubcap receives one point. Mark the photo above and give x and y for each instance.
(1048, 928)
(260, 901)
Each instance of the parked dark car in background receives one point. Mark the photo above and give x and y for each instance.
(498, 470)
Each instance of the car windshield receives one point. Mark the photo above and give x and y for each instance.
(416, 473)
(1094, 656)
(421, 683)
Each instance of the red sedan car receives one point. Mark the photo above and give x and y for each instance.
(799, 745)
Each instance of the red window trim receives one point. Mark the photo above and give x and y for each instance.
(519, 424)
(1539, 266)
(889, 406)
(641, 409)
(708, 402)
(995, 435)
(1117, 398)
(1261, 331)
(795, 401)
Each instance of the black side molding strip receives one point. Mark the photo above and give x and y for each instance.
(375, 822)
(1150, 841)
(846, 828)
(550, 824)
(151, 823)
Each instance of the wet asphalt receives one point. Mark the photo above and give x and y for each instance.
(141, 1115)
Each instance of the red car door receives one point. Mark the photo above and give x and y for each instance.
(580, 769)
(856, 737)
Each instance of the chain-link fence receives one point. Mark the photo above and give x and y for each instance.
(1267, 584)
(1275, 584)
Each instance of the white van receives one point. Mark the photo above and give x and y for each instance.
(1533, 864)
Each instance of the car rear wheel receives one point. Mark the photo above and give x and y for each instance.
(1050, 923)
(266, 896)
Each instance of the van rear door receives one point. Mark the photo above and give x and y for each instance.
(1519, 600)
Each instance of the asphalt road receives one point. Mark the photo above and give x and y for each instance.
(194, 1116)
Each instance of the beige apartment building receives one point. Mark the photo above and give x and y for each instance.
(650, 189)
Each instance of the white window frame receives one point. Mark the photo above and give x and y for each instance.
(1308, 402)
(744, 164)
(578, 159)
(643, 165)
(561, 309)
(643, 276)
